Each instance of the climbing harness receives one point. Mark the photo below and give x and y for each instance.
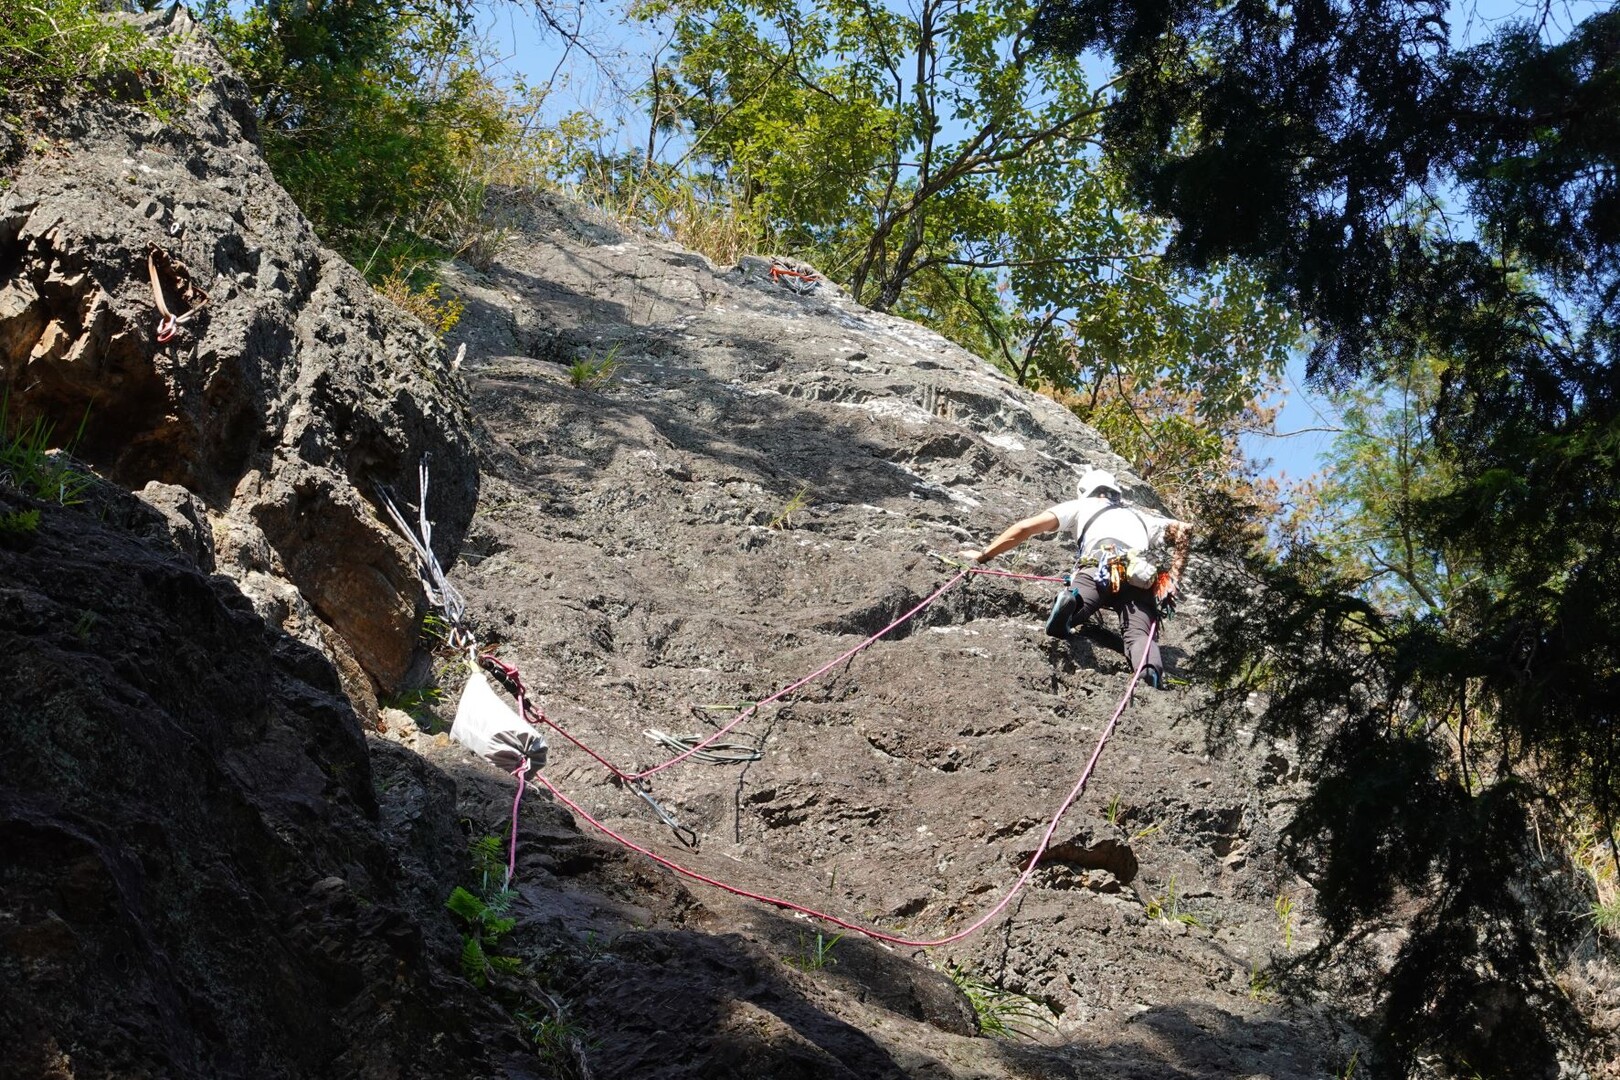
(187, 291)
(1114, 564)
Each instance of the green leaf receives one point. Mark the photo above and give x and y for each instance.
(473, 963)
(466, 905)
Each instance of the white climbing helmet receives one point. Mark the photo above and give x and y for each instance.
(1094, 480)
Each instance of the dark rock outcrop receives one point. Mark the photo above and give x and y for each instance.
(283, 399)
(195, 881)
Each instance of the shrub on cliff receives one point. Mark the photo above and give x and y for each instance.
(51, 44)
(372, 115)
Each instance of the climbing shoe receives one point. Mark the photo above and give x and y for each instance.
(1154, 678)
(1063, 609)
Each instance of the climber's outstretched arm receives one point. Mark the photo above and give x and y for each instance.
(1016, 534)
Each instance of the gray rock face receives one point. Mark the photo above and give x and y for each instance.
(288, 392)
(758, 488)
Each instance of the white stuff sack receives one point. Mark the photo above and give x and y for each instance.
(493, 730)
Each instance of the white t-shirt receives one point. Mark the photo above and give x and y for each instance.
(1126, 526)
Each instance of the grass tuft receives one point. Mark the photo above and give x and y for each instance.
(421, 299)
(1001, 1013)
(594, 372)
(784, 517)
(30, 465)
(813, 956)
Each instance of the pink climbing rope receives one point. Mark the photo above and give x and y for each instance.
(1015, 577)
(517, 801)
(512, 675)
(816, 674)
(529, 712)
(878, 935)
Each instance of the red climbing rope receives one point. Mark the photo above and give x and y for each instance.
(1016, 577)
(517, 801)
(878, 935)
(515, 680)
(529, 712)
(816, 674)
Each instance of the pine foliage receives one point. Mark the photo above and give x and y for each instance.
(1451, 660)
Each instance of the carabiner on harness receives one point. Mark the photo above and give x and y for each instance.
(1110, 572)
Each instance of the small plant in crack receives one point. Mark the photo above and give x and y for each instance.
(29, 464)
(484, 922)
(419, 703)
(1606, 917)
(1168, 908)
(1000, 1013)
(1286, 919)
(784, 517)
(1111, 812)
(1260, 984)
(19, 522)
(524, 987)
(817, 954)
(485, 915)
(594, 372)
(556, 1037)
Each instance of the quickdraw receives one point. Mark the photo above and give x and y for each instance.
(1111, 568)
(186, 289)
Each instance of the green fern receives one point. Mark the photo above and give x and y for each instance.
(473, 964)
(486, 923)
(489, 860)
(19, 522)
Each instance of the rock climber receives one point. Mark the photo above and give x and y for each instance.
(1119, 549)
